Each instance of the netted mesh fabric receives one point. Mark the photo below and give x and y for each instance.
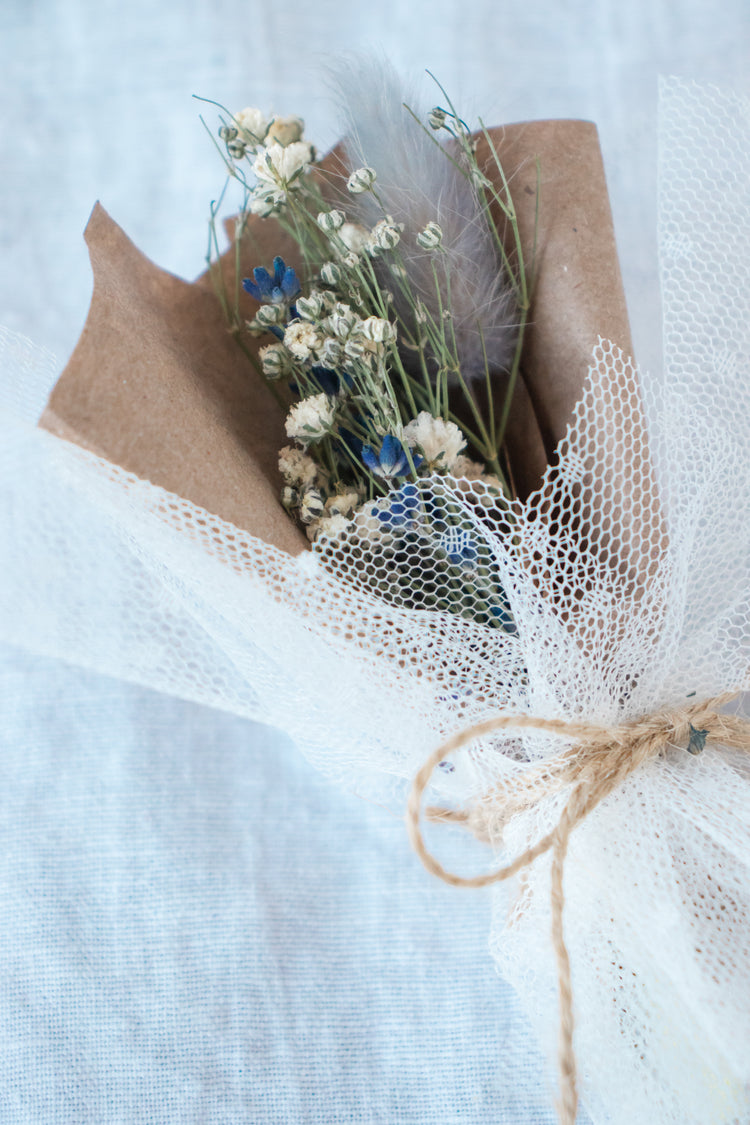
(619, 588)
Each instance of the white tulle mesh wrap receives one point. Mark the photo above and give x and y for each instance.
(628, 579)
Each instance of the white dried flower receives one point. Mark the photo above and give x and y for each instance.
(351, 260)
(463, 468)
(282, 164)
(296, 467)
(311, 418)
(301, 339)
(378, 330)
(436, 117)
(311, 505)
(354, 236)
(274, 360)
(330, 221)
(361, 180)
(285, 131)
(252, 124)
(343, 504)
(331, 273)
(385, 235)
(332, 527)
(431, 237)
(440, 441)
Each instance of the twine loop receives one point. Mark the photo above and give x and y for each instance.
(596, 763)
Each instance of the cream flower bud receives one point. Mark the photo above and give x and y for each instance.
(311, 506)
(269, 316)
(342, 320)
(355, 349)
(420, 312)
(331, 273)
(228, 133)
(436, 117)
(361, 180)
(378, 330)
(431, 237)
(236, 149)
(285, 130)
(289, 496)
(252, 124)
(331, 354)
(264, 203)
(312, 307)
(385, 235)
(274, 360)
(330, 221)
(311, 418)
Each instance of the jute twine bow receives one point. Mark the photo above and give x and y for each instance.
(598, 761)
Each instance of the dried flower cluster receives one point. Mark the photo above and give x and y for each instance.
(363, 353)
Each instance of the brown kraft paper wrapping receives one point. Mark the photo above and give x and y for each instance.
(158, 386)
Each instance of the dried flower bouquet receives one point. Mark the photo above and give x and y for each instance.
(517, 544)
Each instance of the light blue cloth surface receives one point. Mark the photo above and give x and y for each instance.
(193, 926)
(196, 928)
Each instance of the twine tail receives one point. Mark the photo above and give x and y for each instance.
(567, 1106)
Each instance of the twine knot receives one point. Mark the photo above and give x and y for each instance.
(596, 763)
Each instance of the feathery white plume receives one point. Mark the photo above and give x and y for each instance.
(417, 186)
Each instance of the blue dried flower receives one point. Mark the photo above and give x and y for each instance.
(279, 288)
(460, 547)
(391, 462)
(403, 508)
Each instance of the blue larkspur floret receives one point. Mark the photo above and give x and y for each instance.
(278, 288)
(404, 508)
(391, 462)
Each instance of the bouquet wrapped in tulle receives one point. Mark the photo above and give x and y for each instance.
(455, 517)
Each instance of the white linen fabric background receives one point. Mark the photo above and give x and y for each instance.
(193, 926)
